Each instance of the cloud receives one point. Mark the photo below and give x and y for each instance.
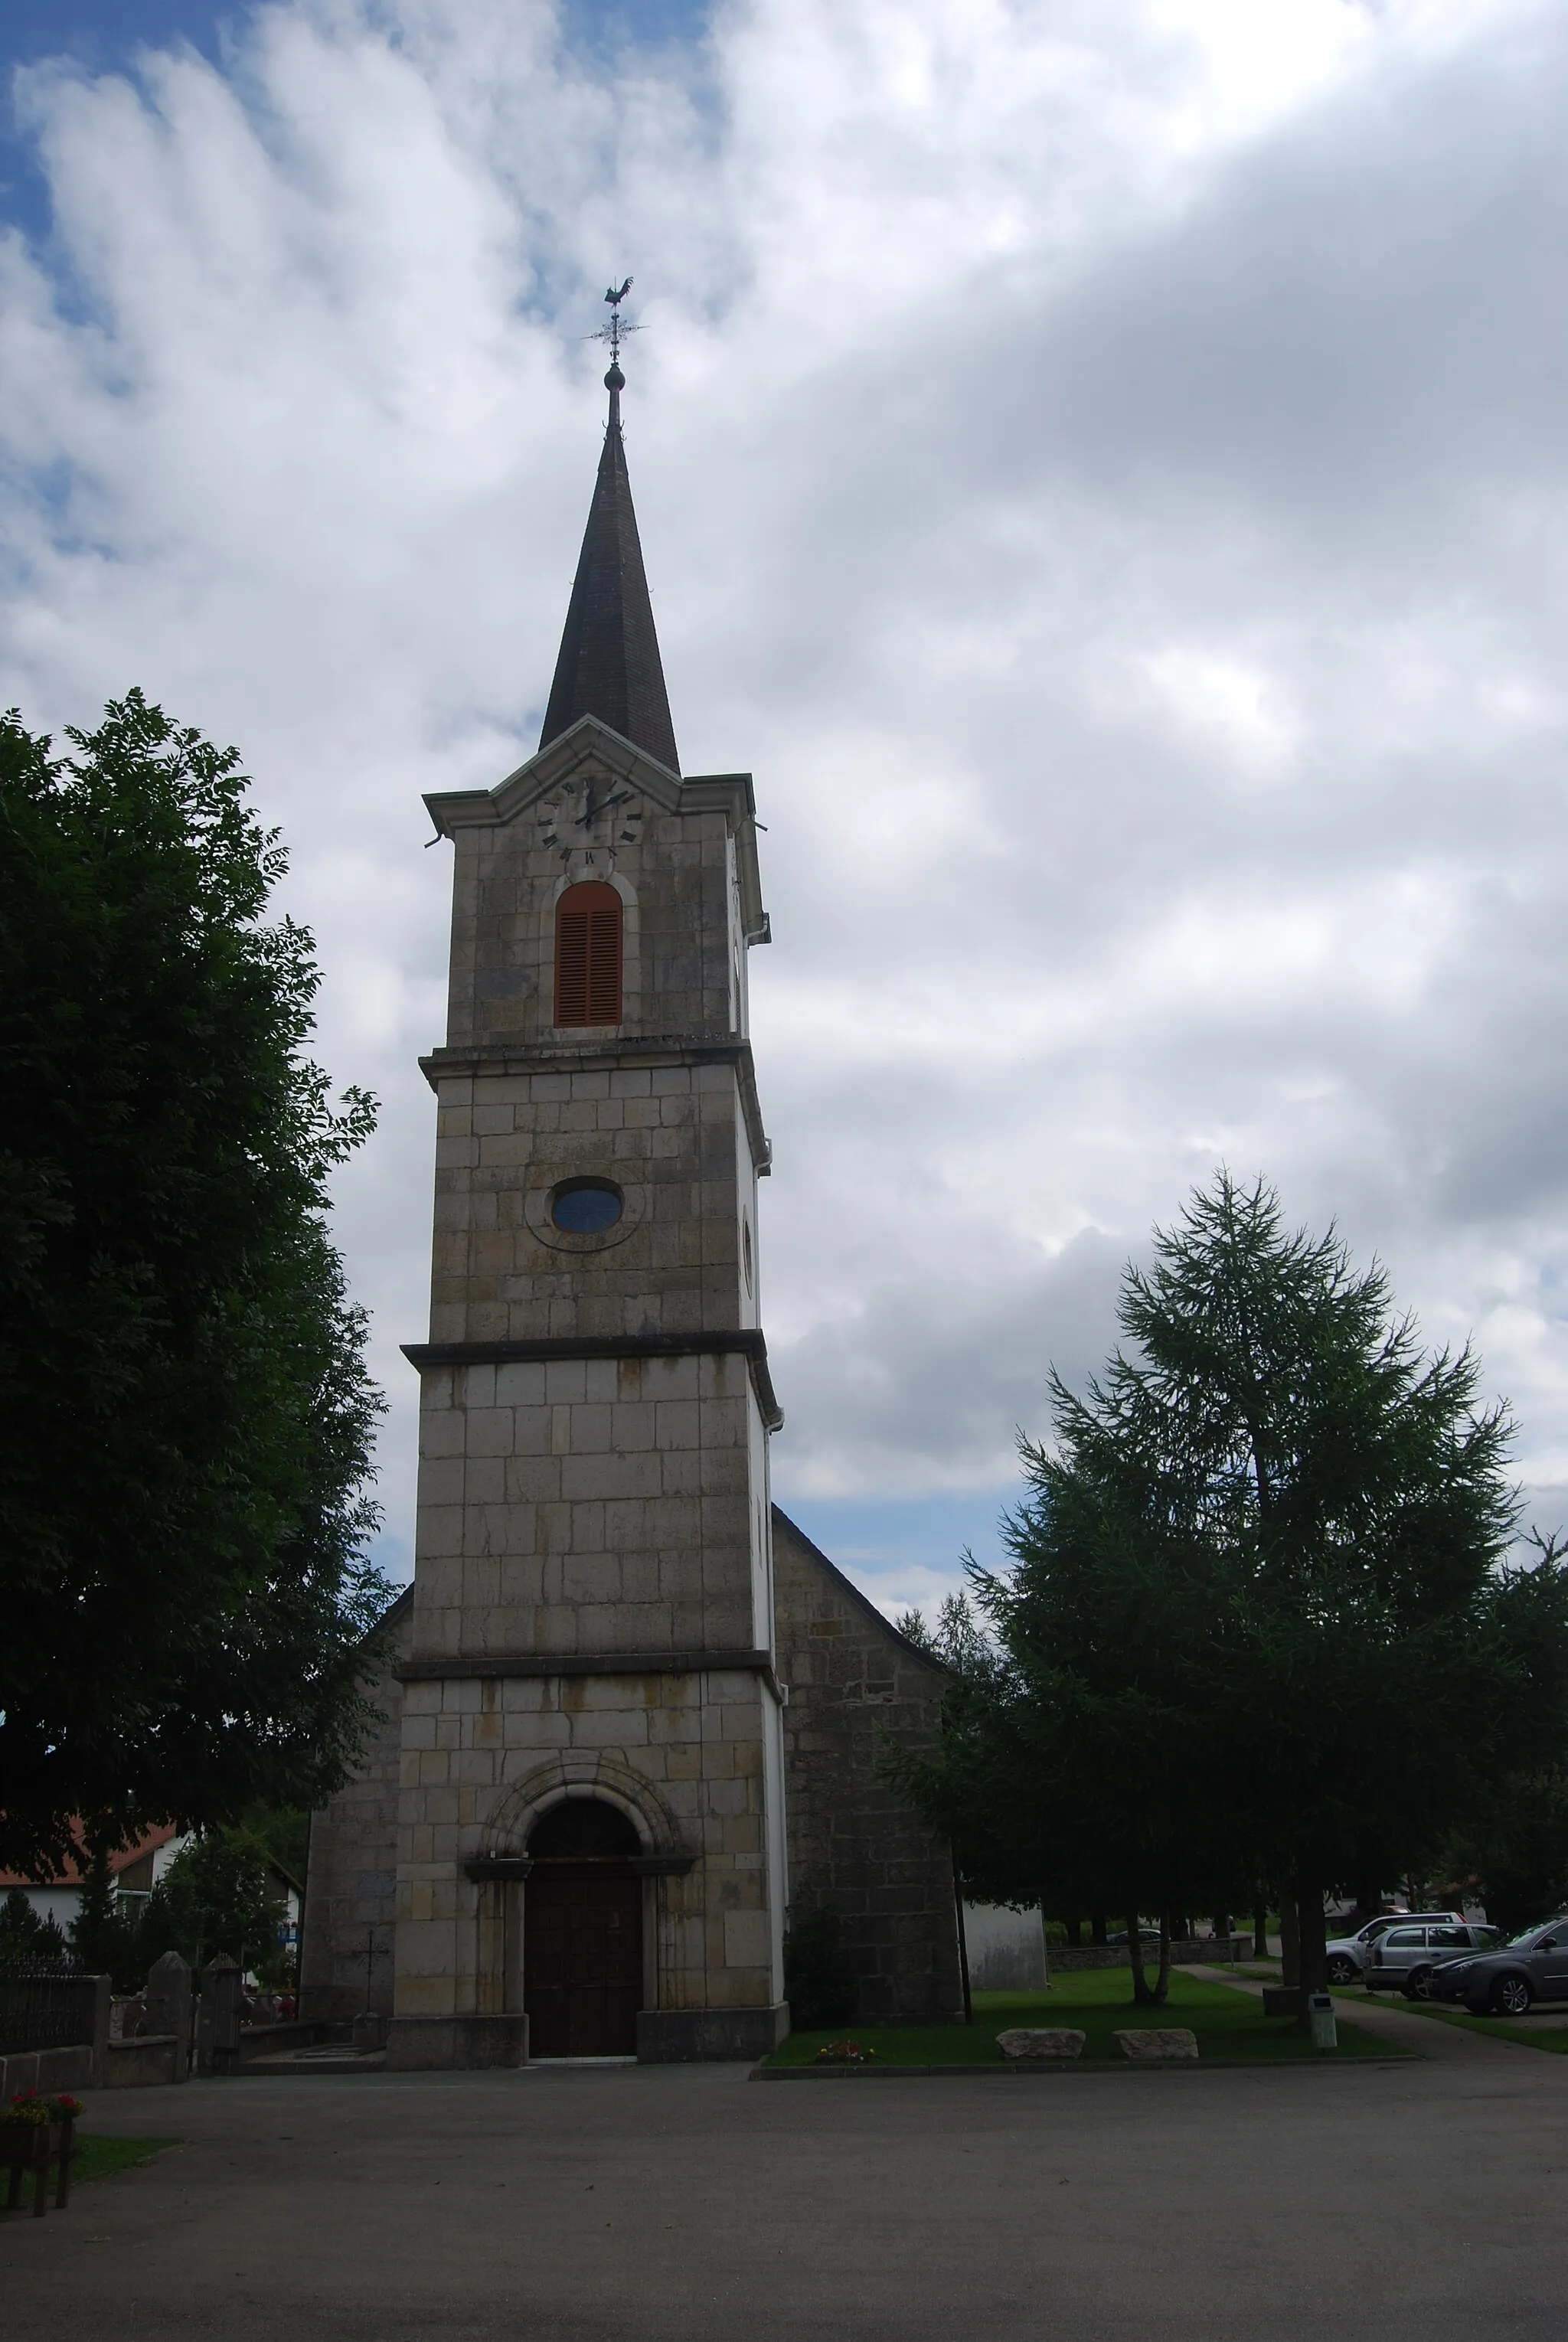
(1099, 465)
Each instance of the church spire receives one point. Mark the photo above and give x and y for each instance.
(609, 665)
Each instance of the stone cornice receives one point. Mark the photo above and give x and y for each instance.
(746, 1340)
(520, 1665)
(499, 1058)
(506, 1869)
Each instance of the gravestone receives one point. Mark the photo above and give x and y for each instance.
(167, 2007)
(221, 1980)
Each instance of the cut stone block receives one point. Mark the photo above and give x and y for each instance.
(1147, 2044)
(1041, 2041)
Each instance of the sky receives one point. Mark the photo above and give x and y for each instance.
(1100, 465)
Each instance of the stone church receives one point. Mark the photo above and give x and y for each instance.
(630, 1710)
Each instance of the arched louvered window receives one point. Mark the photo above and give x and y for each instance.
(588, 955)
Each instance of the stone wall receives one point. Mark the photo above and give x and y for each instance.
(587, 1505)
(676, 878)
(854, 1679)
(351, 1884)
(661, 1123)
(680, 1752)
(48, 2070)
(1186, 1951)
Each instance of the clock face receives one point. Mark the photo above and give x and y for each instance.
(585, 822)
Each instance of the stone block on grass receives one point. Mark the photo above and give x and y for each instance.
(1041, 2041)
(1148, 2045)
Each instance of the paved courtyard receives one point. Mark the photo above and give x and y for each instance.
(1408, 2203)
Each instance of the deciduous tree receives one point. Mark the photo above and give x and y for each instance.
(184, 1414)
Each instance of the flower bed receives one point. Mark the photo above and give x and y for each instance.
(36, 2135)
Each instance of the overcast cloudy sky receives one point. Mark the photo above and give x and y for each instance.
(1101, 465)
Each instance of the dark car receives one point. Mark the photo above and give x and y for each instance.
(1532, 1967)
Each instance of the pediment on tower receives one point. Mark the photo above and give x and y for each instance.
(589, 749)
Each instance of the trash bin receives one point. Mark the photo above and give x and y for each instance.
(1320, 2018)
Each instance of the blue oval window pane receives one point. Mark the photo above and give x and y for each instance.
(586, 1211)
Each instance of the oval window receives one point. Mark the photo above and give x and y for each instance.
(586, 1208)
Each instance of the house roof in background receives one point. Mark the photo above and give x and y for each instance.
(148, 1843)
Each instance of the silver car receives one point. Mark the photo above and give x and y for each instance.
(1404, 1958)
(1348, 1955)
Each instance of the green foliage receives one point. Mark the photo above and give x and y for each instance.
(284, 1832)
(29, 1938)
(1258, 1622)
(184, 1415)
(958, 1638)
(104, 1933)
(217, 1895)
(820, 1982)
(1510, 1849)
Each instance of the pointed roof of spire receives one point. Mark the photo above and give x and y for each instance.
(609, 665)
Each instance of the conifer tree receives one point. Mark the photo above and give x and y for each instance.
(1259, 1622)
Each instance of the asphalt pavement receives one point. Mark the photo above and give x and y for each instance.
(1409, 2203)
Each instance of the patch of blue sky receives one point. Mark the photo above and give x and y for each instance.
(393, 1555)
(907, 1552)
(611, 25)
(100, 36)
(96, 36)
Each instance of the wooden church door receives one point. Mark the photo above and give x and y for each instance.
(583, 1933)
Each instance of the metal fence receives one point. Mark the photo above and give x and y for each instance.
(46, 2008)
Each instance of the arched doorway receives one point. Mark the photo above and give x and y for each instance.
(582, 1932)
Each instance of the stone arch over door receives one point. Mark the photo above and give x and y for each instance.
(607, 1780)
(584, 1776)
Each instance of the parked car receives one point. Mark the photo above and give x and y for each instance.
(1405, 1957)
(1348, 1955)
(1506, 1978)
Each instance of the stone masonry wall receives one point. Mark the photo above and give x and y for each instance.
(577, 1512)
(596, 1505)
(681, 1755)
(852, 1679)
(351, 1885)
(675, 883)
(666, 1133)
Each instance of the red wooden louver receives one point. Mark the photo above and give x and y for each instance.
(588, 955)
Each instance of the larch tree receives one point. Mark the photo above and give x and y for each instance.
(1262, 1621)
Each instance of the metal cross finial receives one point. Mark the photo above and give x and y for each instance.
(612, 332)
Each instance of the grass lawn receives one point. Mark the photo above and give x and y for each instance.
(1099, 2002)
(1499, 2028)
(96, 2159)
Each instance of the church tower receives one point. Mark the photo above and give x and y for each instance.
(590, 1817)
